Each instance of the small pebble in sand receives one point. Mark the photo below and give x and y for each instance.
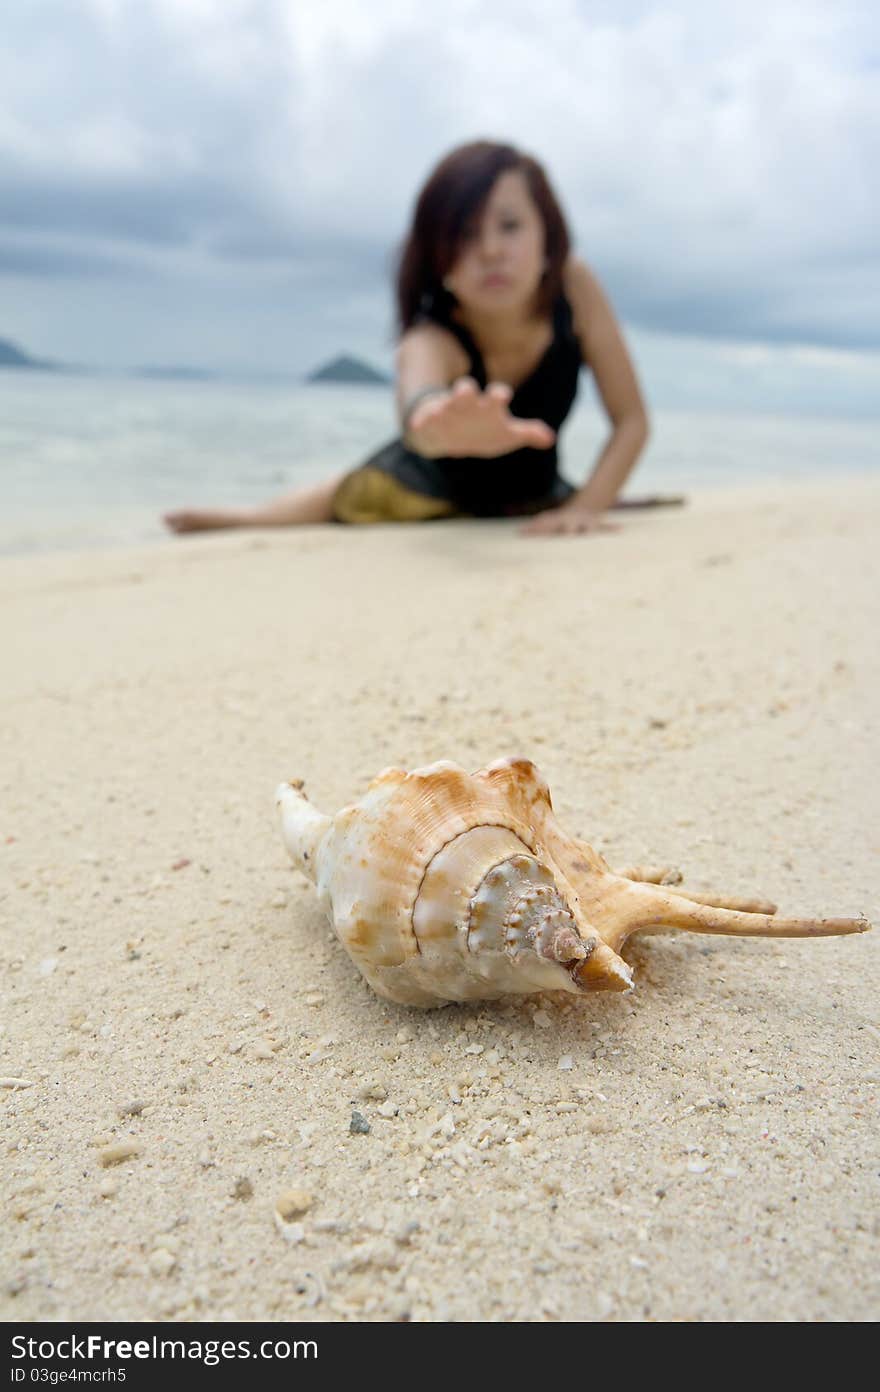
(108, 1188)
(599, 1126)
(359, 1126)
(293, 1203)
(131, 1108)
(373, 1092)
(279, 900)
(565, 1063)
(263, 1050)
(162, 1262)
(388, 1109)
(116, 1154)
(291, 1232)
(15, 1083)
(242, 1188)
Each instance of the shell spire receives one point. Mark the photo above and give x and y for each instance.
(445, 886)
(302, 826)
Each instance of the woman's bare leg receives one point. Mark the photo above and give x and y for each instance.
(299, 508)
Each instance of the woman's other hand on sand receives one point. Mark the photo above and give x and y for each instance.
(568, 520)
(465, 421)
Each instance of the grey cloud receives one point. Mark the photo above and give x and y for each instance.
(773, 309)
(305, 250)
(152, 211)
(51, 260)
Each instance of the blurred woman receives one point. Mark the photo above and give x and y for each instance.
(496, 318)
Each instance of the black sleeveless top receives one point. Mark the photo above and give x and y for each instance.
(513, 481)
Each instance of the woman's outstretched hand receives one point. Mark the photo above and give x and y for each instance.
(567, 520)
(465, 421)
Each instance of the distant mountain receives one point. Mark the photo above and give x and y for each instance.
(10, 356)
(175, 374)
(345, 369)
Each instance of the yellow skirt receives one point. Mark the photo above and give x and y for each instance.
(370, 495)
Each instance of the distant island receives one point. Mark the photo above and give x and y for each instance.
(11, 356)
(345, 369)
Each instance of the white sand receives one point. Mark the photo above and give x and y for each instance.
(700, 689)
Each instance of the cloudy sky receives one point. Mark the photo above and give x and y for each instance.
(224, 182)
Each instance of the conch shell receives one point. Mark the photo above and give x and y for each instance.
(449, 886)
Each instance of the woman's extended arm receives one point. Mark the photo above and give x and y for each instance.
(442, 410)
(604, 351)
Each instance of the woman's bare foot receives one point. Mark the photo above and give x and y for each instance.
(205, 519)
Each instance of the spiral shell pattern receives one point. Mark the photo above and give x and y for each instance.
(443, 885)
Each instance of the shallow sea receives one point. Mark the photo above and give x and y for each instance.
(94, 461)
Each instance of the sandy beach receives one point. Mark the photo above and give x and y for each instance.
(184, 1041)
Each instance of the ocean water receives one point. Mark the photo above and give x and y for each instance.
(94, 461)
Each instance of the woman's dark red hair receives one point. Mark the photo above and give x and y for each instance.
(450, 200)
